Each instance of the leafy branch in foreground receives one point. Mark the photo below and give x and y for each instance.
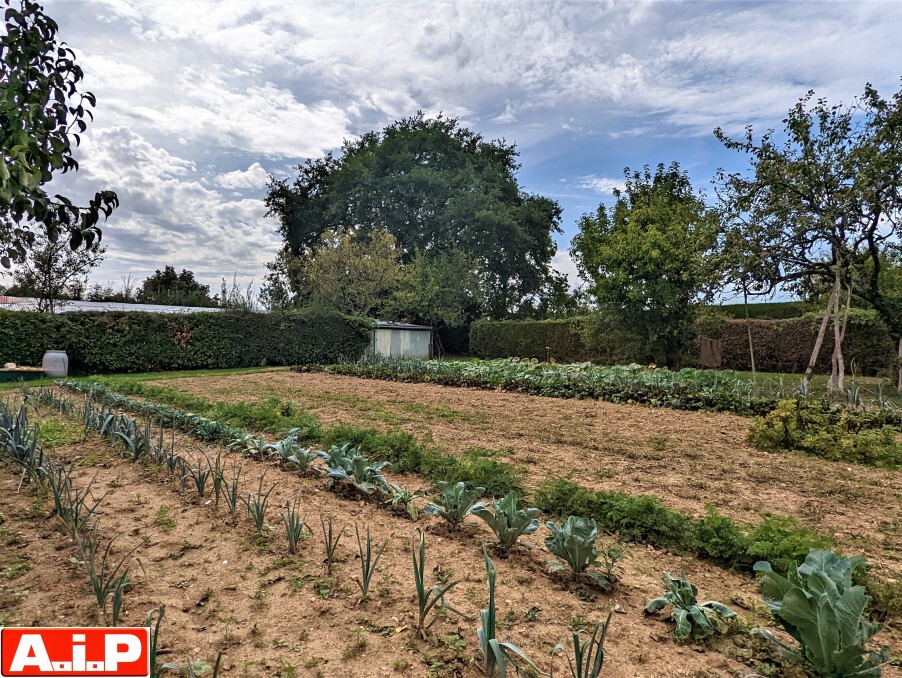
(819, 607)
(695, 619)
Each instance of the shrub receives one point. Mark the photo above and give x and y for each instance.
(841, 435)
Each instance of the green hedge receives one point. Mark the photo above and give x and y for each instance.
(143, 342)
(785, 345)
(780, 345)
(780, 310)
(530, 339)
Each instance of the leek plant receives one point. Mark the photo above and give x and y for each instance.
(497, 657)
(108, 578)
(368, 562)
(588, 655)
(294, 525)
(330, 540)
(427, 598)
(256, 504)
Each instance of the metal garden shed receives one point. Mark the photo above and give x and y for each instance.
(400, 340)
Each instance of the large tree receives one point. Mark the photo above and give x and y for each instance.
(649, 259)
(175, 289)
(820, 205)
(52, 272)
(42, 114)
(436, 187)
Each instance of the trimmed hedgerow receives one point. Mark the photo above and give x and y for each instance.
(143, 342)
(781, 345)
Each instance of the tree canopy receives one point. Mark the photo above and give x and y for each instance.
(436, 187)
(650, 259)
(820, 205)
(53, 271)
(176, 289)
(42, 113)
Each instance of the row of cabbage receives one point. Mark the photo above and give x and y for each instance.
(686, 389)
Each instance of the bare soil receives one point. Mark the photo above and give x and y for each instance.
(228, 589)
(689, 459)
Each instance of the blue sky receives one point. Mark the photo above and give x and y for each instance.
(198, 101)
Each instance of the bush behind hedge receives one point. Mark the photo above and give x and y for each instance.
(99, 342)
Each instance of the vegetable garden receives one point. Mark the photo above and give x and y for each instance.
(317, 523)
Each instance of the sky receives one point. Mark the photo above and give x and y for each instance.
(199, 101)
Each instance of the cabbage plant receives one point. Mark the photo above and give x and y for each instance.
(455, 502)
(574, 543)
(508, 521)
(695, 619)
(825, 614)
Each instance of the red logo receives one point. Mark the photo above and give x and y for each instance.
(81, 652)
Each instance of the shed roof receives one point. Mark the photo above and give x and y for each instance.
(389, 325)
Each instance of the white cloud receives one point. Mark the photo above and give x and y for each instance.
(602, 185)
(564, 263)
(189, 91)
(253, 177)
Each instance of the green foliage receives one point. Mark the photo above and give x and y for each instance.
(588, 655)
(646, 520)
(693, 619)
(782, 346)
(508, 521)
(817, 604)
(651, 259)
(540, 339)
(455, 502)
(176, 289)
(42, 114)
(137, 342)
(435, 187)
(771, 310)
(497, 657)
(843, 435)
(574, 543)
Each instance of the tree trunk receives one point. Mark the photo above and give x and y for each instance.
(838, 364)
(812, 361)
(748, 327)
(899, 378)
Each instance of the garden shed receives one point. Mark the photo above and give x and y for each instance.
(400, 340)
